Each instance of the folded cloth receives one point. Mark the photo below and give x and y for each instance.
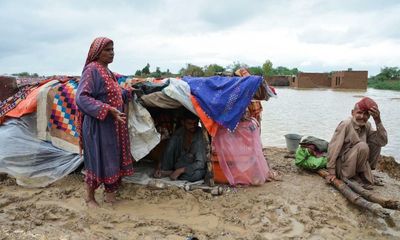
(320, 144)
(366, 103)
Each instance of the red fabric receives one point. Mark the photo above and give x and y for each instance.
(26, 106)
(366, 104)
(210, 124)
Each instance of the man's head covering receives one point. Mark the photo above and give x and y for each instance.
(96, 47)
(366, 103)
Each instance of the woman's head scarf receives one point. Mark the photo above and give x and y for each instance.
(96, 47)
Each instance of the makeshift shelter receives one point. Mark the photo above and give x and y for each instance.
(220, 103)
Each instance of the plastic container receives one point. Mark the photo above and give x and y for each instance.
(292, 141)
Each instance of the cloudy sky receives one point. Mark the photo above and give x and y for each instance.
(53, 37)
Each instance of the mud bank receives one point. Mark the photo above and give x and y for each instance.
(301, 206)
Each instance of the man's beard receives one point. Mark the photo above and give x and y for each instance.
(359, 123)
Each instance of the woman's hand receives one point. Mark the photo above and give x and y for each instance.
(130, 91)
(119, 116)
(129, 88)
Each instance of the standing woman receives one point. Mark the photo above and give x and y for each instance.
(102, 124)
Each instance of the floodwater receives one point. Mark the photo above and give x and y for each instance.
(317, 112)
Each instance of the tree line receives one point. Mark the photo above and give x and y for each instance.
(266, 69)
(388, 78)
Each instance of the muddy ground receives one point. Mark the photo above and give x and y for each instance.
(301, 206)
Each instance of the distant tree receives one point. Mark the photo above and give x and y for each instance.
(25, 74)
(157, 73)
(192, 70)
(390, 73)
(146, 69)
(138, 73)
(167, 74)
(213, 69)
(182, 71)
(267, 68)
(158, 70)
(237, 65)
(256, 71)
(387, 73)
(284, 71)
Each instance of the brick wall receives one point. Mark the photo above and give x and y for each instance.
(311, 80)
(350, 80)
(279, 80)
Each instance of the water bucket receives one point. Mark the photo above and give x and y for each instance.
(292, 141)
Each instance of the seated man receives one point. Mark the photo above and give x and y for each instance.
(185, 155)
(355, 146)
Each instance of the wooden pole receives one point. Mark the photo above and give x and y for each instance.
(371, 196)
(209, 177)
(357, 199)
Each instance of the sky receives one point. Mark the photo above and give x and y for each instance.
(53, 37)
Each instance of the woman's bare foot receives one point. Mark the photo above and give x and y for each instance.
(91, 203)
(110, 197)
(89, 199)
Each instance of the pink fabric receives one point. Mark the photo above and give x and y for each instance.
(240, 154)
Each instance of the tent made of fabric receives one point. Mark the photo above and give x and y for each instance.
(52, 131)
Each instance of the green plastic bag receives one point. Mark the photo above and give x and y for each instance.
(305, 160)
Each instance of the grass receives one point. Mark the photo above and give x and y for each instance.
(387, 85)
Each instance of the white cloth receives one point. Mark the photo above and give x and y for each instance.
(142, 132)
(180, 91)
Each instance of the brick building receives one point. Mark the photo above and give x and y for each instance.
(311, 80)
(349, 80)
(279, 80)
